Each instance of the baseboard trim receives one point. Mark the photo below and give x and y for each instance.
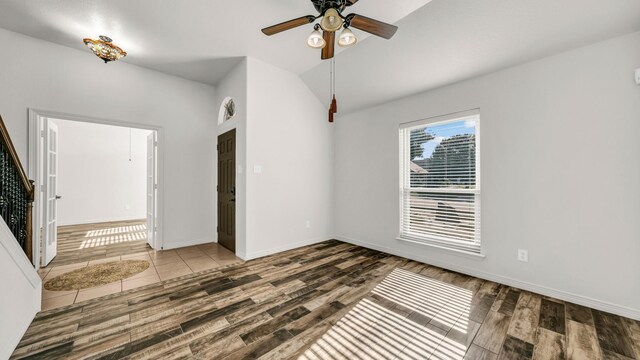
(278, 249)
(539, 289)
(185, 243)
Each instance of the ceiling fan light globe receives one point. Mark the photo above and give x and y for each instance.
(315, 40)
(331, 21)
(347, 38)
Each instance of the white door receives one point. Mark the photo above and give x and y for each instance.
(151, 189)
(50, 193)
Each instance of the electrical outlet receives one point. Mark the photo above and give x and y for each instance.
(307, 224)
(638, 76)
(523, 255)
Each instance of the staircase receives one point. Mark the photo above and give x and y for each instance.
(16, 194)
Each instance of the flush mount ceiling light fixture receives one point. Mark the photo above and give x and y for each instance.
(332, 20)
(105, 49)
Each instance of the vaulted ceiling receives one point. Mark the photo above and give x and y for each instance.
(439, 41)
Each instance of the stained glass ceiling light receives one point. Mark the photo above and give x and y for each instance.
(105, 49)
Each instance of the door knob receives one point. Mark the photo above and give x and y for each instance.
(58, 197)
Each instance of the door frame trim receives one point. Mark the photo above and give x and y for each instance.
(35, 162)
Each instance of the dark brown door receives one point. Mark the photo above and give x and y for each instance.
(227, 190)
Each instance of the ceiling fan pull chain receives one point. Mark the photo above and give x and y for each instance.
(333, 107)
(334, 103)
(330, 91)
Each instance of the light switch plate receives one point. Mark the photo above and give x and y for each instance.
(638, 76)
(257, 169)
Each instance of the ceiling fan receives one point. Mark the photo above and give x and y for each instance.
(332, 20)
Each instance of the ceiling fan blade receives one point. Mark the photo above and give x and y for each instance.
(287, 25)
(351, 2)
(330, 38)
(372, 26)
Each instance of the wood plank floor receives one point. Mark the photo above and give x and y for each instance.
(329, 301)
(87, 242)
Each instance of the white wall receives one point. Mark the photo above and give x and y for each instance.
(41, 75)
(101, 175)
(21, 290)
(281, 127)
(289, 137)
(560, 174)
(234, 85)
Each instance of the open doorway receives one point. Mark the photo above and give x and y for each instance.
(98, 184)
(99, 191)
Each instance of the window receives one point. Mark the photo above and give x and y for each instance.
(440, 182)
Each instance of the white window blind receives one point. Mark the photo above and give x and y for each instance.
(440, 182)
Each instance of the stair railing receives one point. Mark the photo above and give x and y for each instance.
(16, 193)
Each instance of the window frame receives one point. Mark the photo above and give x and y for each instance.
(458, 246)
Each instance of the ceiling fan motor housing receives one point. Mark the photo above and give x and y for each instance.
(323, 5)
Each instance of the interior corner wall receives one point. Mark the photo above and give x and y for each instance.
(234, 85)
(102, 173)
(75, 82)
(289, 173)
(559, 168)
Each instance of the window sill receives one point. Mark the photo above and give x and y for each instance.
(446, 249)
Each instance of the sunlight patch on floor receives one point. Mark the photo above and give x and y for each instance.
(114, 235)
(117, 230)
(372, 330)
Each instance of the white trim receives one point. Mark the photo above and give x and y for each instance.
(31, 308)
(278, 249)
(539, 289)
(35, 166)
(442, 119)
(18, 256)
(185, 243)
(444, 248)
(457, 246)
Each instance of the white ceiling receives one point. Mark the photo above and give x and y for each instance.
(438, 43)
(199, 40)
(447, 41)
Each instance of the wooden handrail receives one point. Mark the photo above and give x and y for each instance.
(6, 139)
(23, 209)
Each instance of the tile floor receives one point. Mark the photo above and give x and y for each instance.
(86, 242)
(164, 265)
